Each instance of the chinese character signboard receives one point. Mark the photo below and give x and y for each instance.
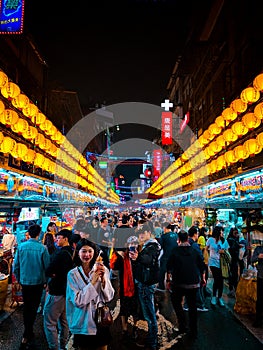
(167, 128)
(11, 16)
(157, 163)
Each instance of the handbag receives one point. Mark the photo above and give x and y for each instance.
(103, 316)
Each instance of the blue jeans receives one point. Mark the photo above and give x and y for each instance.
(146, 298)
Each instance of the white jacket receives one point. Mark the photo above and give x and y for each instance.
(82, 299)
(9, 241)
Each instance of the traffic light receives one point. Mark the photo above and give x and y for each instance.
(147, 170)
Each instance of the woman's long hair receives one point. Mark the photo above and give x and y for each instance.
(217, 232)
(85, 242)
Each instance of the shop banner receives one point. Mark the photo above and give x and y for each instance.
(167, 128)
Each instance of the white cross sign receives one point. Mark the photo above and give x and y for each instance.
(166, 105)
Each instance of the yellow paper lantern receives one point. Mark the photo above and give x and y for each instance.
(238, 106)
(45, 145)
(239, 129)
(251, 121)
(214, 129)
(258, 110)
(215, 147)
(220, 122)
(259, 139)
(213, 167)
(21, 101)
(31, 133)
(46, 164)
(7, 145)
(30, 111)
(46, 125)
(207, 135)
(220, 140)
(229, 115)
(3, 79)
(19, 151)
(52, 130)
(38, 119)
(2, 107)
(229, 136)
(53, 150)
(29, 156)
(258, 82)
(40, 139)
(9, 117)
(20, 126)
(250, 95)
(230, 157)
(210, 151)
(252, 147)
(39, 160)
(240, 153)
(10, 90)
(203, 141)
(220, 163)
(1, 136)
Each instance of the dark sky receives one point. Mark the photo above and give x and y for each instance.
(114, 50)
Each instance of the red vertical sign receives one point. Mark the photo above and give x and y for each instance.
(157, 164)
(167, 128)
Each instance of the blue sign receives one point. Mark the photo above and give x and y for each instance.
(11, 16)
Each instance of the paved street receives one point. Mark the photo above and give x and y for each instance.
(218, 329)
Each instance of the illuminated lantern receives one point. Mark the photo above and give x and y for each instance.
(30, 133)
(250, 95)
(46, 125)
(214, 129)
(39, 160)
(213, 167)
(40, 139)
(238, 106)
(9, 117)
(240, 153)
(252, 147)
(45, 145)
(221, 141)
(1, 135)
(2, 107)
(21, 101)
(19, 150)
(10, 90)
(51, 131)
(258, 110)
(258, 82)
(29, 156)
(215, 147)
(30, 111)
(7, 145)
(53, 150)
(220, 122)
(38, 118)
(259, 139)
(239, 129)
(207, 153)
(251, 121)
(20, 126)
(220, 163)
(229, 136)
(229, 115)
(207, 135)
(3, 79)
(230, 157)
(184, 157)
(46, 164)
(203, 141)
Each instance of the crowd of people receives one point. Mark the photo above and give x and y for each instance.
(73, 270)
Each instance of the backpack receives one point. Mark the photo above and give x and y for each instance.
(149, 274)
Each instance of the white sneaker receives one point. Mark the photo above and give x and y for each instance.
(221, 302)
(203, 309)
(213, 301)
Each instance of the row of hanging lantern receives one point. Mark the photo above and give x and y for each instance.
(206, 147)
(65, 152)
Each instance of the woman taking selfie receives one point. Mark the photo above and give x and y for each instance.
(88, 284)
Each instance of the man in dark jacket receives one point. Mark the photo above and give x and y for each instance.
(184, 268)
(146, 277)
(55, 304)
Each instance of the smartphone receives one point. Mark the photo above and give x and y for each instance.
(132, 249)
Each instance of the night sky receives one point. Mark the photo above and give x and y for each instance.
(110, 51)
